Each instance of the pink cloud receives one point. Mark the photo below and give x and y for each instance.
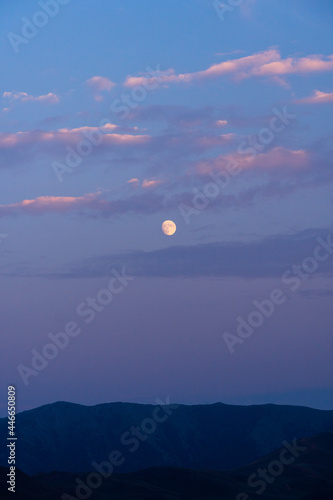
(157, 77)
(310, 64)
(276, 159)
(163, 78)
(87, 129)
(228, 137)
(278, 172)
(280, 158)
(221, 123)
(72, 137)
(127, 139)
(318, 97)
(99, 84)
(266, 63)
(91, 204)
(52, 204)
(278, 80)
(8, 141)
(49, 98)
(148, 183)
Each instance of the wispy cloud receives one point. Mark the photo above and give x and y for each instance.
(146, 183)
(13, 97)
(266, 258)
(89, 205)
(318, 97)
(279, 159)
(149, 183)
(221, 123)
(277, 172)
(68, 136)
(268, 63)
(51, 204)
(99, 84)
(134, 180)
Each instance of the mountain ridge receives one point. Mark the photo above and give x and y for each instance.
(70, 437)
(308, 477)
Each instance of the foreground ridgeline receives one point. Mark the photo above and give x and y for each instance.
(301, 470)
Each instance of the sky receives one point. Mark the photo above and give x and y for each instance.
(116, 116)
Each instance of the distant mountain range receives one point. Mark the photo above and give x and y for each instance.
(308, 477)
(71, 438)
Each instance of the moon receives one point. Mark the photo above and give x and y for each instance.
(169, 227)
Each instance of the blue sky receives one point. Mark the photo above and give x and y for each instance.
(168, 111)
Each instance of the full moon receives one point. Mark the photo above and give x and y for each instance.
(169, 227)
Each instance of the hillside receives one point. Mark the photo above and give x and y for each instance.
(69, 437)
(309, 477)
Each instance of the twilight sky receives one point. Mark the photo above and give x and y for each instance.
(116, 116)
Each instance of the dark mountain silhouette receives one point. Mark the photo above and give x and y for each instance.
(69, 437)
(309, 477)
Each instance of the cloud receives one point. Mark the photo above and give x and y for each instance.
(86, 129)
(277, 172)
(262, 64)
(148, 183)
(180, 117)
(12, 97)
(318, 97)
(207, 118)
(106, 131)
(147, 201)
(310, 64)
(266, 258)
(99, 84)
(89, 205)
(52, 204)
(281, 180)
(185, 158)
(169, 148)
(221, 123)
(280, 81)
(66, 136)
(277, 159)
(156, 77)
(228, 137)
